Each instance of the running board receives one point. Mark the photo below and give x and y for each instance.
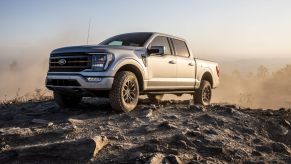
(167, 92)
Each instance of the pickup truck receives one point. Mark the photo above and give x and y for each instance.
(128, 65)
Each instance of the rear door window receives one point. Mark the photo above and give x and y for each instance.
(181, 48)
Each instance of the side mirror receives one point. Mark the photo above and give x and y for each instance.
(158, 50)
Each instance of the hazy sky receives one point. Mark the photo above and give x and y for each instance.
(237, 28)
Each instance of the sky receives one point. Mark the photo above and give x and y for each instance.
(214, 28)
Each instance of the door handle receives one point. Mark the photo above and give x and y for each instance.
(191, 64)
(172, 62)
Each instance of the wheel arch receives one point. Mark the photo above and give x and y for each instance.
(134, 68)
(207, 76)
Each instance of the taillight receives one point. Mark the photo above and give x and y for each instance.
(217, 70)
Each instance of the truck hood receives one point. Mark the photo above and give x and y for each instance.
(93, 49)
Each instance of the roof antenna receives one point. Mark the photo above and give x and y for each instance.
(89, 28)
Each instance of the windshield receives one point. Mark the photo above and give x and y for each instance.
(131, 39)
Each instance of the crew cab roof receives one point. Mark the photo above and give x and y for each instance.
(158, 34)
(168, 35)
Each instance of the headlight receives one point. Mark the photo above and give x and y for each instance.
(100, 62)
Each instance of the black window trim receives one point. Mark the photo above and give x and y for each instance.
(175, 48)
(171, 46)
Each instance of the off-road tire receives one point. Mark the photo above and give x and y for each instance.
(155, 98)
(117, 94)
(202, 96)
(66, 101)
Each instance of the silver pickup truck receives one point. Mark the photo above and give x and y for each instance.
(128, 65)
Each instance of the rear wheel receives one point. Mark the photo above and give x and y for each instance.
(66, 100)
(155, 98)
(125, 92)
(203, 94)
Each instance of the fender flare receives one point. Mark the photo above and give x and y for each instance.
(205, 70)
(141, 75)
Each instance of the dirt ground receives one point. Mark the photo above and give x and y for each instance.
(171, 132)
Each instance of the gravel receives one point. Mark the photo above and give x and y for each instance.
(169, 132)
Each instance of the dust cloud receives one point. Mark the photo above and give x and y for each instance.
(20, 80)
(23, 69)
(258, 89)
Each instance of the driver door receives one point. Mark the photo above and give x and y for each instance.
(162, 69)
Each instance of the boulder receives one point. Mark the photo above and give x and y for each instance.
(156, 159)
(172, 159)
(82, 149)
(41, 121)
(75, 121)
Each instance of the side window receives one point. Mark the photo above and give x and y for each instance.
(115, 43)
(162, 41)
(181, 48)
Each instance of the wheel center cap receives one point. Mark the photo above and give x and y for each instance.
(127, 92)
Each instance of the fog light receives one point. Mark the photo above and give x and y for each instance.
(94, 79)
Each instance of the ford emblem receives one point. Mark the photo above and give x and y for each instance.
(62, 62)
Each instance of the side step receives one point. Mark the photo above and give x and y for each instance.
(167, 92)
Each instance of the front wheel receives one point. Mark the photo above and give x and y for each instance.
(66, 100)
(125, 92)
(203, 95)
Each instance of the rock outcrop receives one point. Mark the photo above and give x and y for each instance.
(169, 132)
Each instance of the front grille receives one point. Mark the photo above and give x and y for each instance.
(62, 82)
(69, 63)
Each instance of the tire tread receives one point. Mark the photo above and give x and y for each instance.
(115, 93)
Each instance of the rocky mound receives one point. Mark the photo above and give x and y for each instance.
(171, 132)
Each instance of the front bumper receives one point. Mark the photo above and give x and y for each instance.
(104, 84)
